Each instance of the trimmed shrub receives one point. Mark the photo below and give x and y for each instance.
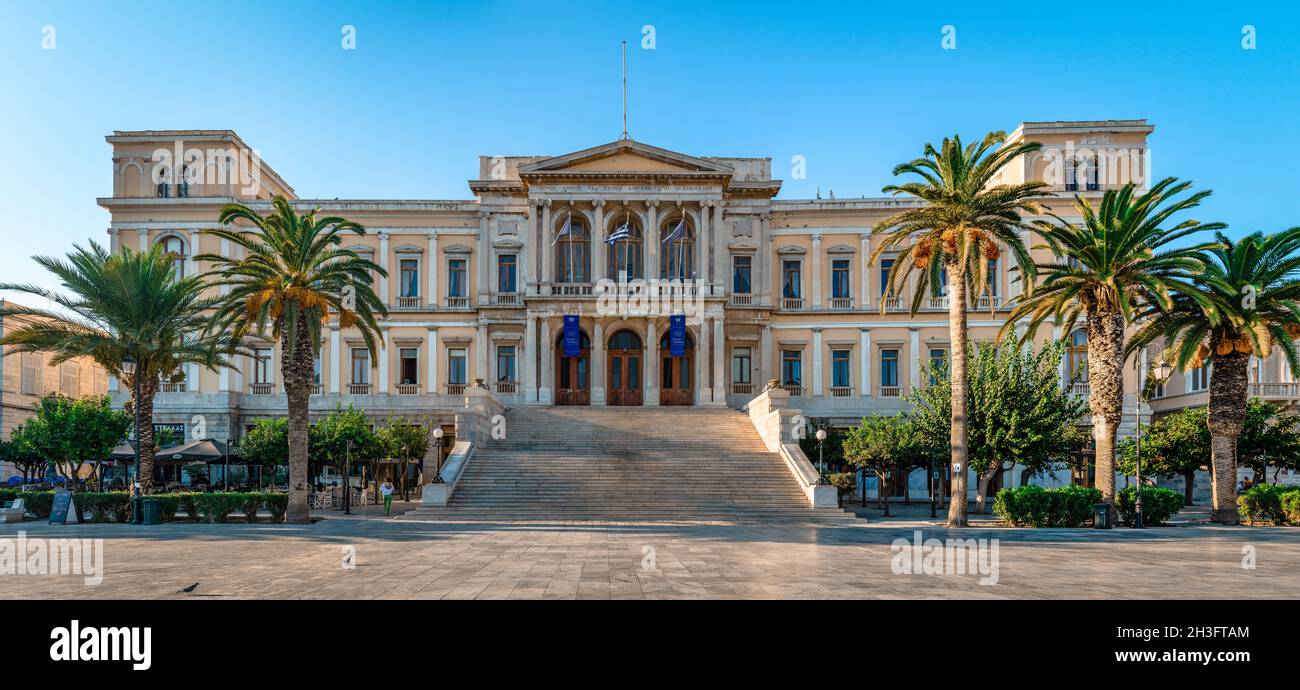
(1158, 504)
(188, 503)
(167, 505)
(1291, 506)
(277, 503)
(114, 506)
(1034, 506)
(39, 503)
(1265, 503)
(215, 508)
(248, 505)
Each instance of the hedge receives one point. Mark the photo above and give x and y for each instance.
(115, 506)
(1034, 506)
(1158, 504)
(1279, 505)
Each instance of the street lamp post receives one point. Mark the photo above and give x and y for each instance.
(933, 480)
(437, 441)
(821, 456)
(1161, 371)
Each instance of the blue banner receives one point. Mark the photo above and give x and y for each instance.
(677, 335)
(572, 336)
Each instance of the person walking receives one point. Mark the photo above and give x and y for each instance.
(387, 490)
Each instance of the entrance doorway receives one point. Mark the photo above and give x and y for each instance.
(676, 374)
(573, 374)
(625, 366)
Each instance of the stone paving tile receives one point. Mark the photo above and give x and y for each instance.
(593, 560)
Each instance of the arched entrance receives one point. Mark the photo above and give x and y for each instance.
(626, 363)
(573, 374)
(676, 375)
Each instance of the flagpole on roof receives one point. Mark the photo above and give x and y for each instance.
(624, 89)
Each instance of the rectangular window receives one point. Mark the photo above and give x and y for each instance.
(410, 369)
(1071, 176)
(410, 277)
(791, 368)
(456, 278)
(938, 364)
(889, 368)
(741, 274)
(1090, 176)
(456, 372)
(1198, 379)
(841, 369)
(315, 371)
(32, 373)
(262, 366)
(994, 278)
(791, 280)
(70, 379)
(886, 265)
(741, 365)
(360, 366)
(506, 273)
(506, 363)
(840, 278)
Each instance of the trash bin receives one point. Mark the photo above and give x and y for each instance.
(152, 512)
(1101, 516)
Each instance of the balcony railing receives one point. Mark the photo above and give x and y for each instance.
(792, 303)
(988, 302)
(841, 391)
(408, 389)
(893, 303)
(457, 302)
(261, 388)
(841, 303)
(745, 300)
(795, 391)
(742, 389)
(568, 289)
(315, 389)
(455, 389)
(358, 389)
(408, 302)
(1275, 390)
(507, 387)
(891, 391)
(1081, 389)
(506, 299)
(938, 302)
(172, 387)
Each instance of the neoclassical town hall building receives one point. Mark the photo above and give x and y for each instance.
(479, 288)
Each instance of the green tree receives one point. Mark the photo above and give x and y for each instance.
(67, 433)
(1269, 436)
(1245, 302)
(967, 217)
(330, 439)
(1108, 268)
(1019, 411)
(119, 307)
(882, 444)
(31, 466)
(295, 277)
(1177, 445)
(266, 445)
(406, 440)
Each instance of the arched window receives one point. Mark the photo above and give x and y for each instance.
(677, 248)
(176, 247)
(624, 252)
(665, 345)
(1077, 356)
(584, 342)
(625, 340)
(572, 249)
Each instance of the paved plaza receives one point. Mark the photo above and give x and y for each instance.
(417, 560)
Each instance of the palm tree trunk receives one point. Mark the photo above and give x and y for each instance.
(1227, 416)
(1106, 393)
(144, 435)
(296, 368)
(957, 439)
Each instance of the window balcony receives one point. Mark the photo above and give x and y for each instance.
(841, 391)
(988, 302)
(316, 389)
(792, 303)
(567, 289)
(893, 303)
(841, 303)
(408, 389)
(940, 302)
(457, 302)
(742, 389)
(507, 387)
(795, 390)
(408, 302)
(1081, 389)
(172, 387)
(745, 300)
(506, 299)
(1275, 391)
(261, 388)
(891, 391)
(358, 389)
(456, 389)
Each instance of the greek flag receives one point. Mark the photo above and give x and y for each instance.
(622, 232)
(566, 229)
(678, 232)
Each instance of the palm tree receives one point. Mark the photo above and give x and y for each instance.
(1106, 269)
(956, 234)
(130, 306)
(294, 279)
(1246, 301)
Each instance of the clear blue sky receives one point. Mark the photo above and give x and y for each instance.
(855, 88)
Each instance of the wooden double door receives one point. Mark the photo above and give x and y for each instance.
(626, 369)
(676, 374)
(573, 374)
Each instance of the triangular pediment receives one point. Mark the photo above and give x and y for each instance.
(625, 156)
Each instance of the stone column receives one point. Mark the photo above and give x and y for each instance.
(702, 240)
(481, 283)
(597, 364)
(548, 364)
(765, 356)
(528, 253)
(528, 371)
(431, 362)
(651, 241)
(816, 268)
(336, 359)
(720, 272)
(765, 254)
(548, 270)
(914, 366)
(864, 256)
(481, 354)
(817, 362)
(864, 364)
(114, 246)
(384, 260)
(651, 382)
(192, 266)
(598, 246)
(1063, 370)
(432, 268)
(143, 234)
(703, 382)
(719, 362)
(382, 387)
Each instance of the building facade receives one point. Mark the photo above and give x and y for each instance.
(479, 288)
